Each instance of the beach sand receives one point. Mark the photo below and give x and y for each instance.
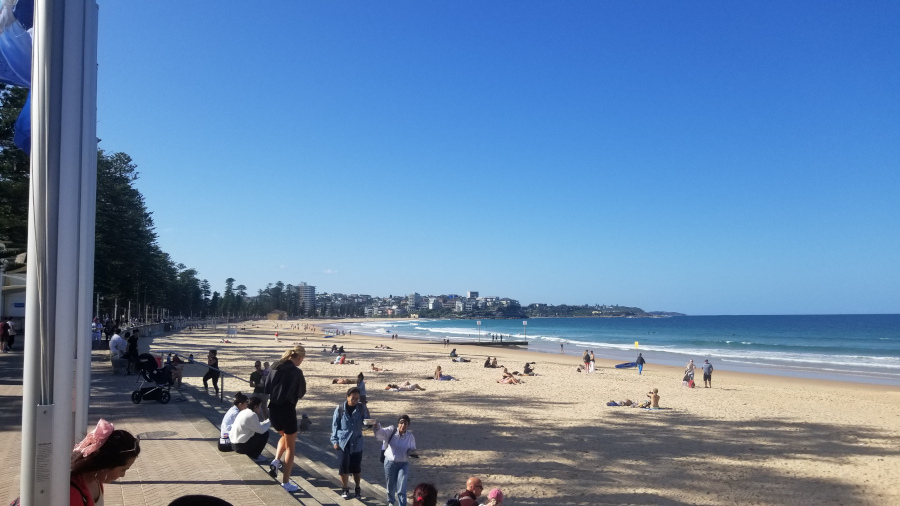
(751, 439)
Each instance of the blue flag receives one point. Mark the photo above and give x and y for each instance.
(15, 44)
(22, 128)
(16, 22)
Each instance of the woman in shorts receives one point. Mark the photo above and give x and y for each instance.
(286, 385)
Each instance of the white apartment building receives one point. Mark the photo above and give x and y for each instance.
(307, 296)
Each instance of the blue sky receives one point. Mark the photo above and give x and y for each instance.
(702, 157)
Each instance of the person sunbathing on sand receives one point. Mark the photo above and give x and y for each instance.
(343, 381)
(440, 376)
(654, 398)
(378, 369)
(405, 387)
(508, 378)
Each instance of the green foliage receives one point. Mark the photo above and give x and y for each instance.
(596, 311)
(14, 172)
(129, 265)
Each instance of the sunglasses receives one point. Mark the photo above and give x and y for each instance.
(136, 441)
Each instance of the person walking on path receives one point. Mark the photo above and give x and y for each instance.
(285, 386)
(212, 372)
(4, 335)
(707, 374)
(347, 438)
(399, 445)
(640, 363)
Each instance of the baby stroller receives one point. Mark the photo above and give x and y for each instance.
(151, 373)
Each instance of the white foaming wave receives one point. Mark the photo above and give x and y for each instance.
(876, 362)
(450, 330)
(818, 368)
(859, 361)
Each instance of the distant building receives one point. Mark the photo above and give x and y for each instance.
(307, 296)
(472, 295)
(414, 300)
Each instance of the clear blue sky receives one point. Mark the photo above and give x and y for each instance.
(703, 157)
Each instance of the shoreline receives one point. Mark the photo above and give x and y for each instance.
(675, 359)
(609, 364)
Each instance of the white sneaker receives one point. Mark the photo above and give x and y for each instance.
(290, 487)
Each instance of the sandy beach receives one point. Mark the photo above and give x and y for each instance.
(751, 439)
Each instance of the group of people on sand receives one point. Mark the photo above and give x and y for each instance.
(652, 401)
(688, 379)
(491, 362)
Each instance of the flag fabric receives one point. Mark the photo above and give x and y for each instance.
(16, 24)
(15, 42)
(22, 128)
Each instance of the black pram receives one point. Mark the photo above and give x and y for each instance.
(151, 373)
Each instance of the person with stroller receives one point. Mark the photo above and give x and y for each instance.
(104, 456)
(248, 435)
(212, 372)
(131, 353)
(286, 385)
(177, 372)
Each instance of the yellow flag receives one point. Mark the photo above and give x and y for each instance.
(635, 344)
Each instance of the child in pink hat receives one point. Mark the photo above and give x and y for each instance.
(495, 497)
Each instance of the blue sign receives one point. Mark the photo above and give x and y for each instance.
(18, 304)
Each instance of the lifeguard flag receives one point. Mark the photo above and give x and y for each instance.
(16, 22)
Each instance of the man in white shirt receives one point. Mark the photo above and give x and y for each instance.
(248, 435)
(117, 346)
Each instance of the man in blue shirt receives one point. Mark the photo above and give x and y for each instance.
(347, 438)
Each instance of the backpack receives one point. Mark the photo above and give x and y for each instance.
(453, 501)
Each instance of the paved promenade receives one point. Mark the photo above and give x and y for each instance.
(178, 448)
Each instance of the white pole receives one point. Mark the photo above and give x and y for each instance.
(53, 294)
(87, 221)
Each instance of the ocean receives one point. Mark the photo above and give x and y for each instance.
(860, 348)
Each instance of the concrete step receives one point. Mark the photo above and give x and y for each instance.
(318, 481)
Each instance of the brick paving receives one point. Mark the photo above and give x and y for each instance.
(178, 448)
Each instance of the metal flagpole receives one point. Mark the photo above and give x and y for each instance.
(54, 232)
(87, 220)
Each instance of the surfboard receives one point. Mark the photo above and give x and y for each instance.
(626, 365)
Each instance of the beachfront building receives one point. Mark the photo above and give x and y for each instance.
(471, 295)
(413, 300)
(307, 296)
